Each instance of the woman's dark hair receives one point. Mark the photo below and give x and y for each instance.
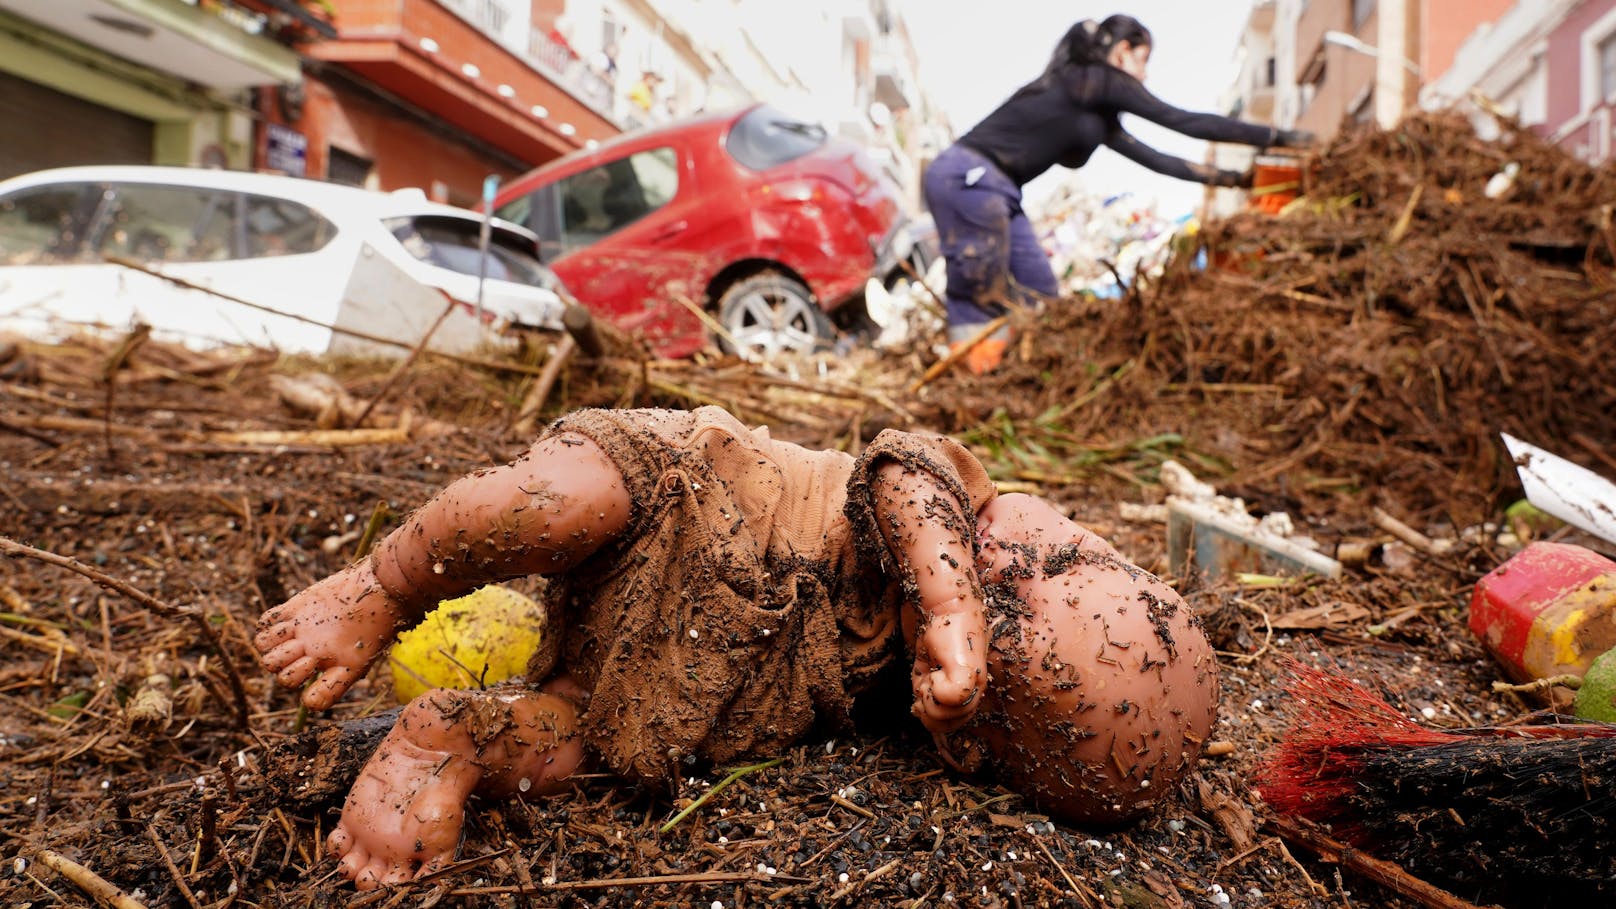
(1089, 43)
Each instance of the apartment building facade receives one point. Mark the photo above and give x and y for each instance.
(1580, 82)
(435, 94)
(141, 81)
(440, 93)
(1320, 64)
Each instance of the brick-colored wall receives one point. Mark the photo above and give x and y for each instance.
(1347, 72)
(465, 124)
(405, 151)
(1445, 26)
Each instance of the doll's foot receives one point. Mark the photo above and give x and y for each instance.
(404, 813)
(335, 629)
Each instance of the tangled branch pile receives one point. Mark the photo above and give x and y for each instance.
(1378, 334)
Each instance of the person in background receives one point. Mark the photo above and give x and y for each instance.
(973, 189)
(644, 92)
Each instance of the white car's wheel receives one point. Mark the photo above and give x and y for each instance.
(769, 313)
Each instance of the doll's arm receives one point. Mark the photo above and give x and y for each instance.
(929, 536)
(541, 514)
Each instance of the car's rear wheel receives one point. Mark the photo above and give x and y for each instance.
(770, 313)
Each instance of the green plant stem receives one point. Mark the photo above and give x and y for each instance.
(734, 775)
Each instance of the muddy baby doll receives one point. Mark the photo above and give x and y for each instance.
(714, 592)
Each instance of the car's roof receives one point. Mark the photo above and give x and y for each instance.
(315, 193)
(715, 121)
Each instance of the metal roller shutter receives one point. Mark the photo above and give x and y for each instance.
(41, 127)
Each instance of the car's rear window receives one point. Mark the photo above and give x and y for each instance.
(765, 137)
(453, 243)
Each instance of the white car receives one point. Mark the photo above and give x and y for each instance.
(288, 260)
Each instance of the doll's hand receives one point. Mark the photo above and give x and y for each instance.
(923, 526)
(335, 629)
(950, 668)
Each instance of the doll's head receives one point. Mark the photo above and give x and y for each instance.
(1103, 686)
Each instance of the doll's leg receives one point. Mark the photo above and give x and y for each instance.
(404, 813)
(542, 513)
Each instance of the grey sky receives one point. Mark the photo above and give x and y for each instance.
(974, 54)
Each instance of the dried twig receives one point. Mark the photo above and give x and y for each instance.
(334, 438)
(1407, 534)
(1384, 873)
(196, 616)
(98, 887)
(173, 869)
(959, 353)
(527, 418)
(1088, 896)
(502, 366)
(408, 361)
(109, 373)
(709, 877)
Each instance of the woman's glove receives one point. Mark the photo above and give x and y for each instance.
(1293, 138)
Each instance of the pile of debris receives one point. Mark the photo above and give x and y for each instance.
(1428, 291)
(1363, 349)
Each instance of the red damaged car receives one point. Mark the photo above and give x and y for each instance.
(754, 225)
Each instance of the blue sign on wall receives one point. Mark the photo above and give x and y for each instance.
(286, 150)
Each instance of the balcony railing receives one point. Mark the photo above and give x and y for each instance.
(553, 60)
(563, 67)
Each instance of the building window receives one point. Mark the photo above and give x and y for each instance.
(347, 168)
(1270, 72)
(1607, 67)
(1360, 12)
(1364, 110)
(1308, 86)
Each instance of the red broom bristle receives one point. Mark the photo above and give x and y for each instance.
(1339, 727)
(1313, 771)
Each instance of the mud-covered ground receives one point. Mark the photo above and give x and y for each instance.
(183, 812)
(1328, 363)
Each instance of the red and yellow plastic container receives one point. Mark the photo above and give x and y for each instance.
(1276, 181)
(1549, 610)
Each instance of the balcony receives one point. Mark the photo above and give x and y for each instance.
(509, 28)
(890, 71)
(222, 46)
(1260, 90)
(479, 66)
(1260, 105)
(562, 66)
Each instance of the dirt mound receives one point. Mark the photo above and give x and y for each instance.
(1375, 337)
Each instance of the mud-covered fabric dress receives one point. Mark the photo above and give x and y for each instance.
(752, 592)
